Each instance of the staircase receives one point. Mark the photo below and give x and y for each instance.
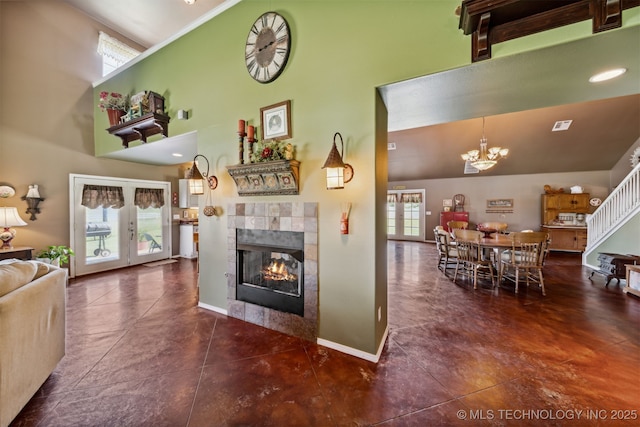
(622, 206)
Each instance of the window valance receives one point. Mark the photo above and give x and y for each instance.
(114, 48)
(102, 195)
(411, 198)
(149, 197)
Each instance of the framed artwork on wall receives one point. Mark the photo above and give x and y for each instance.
(500, 204)
(275, 121)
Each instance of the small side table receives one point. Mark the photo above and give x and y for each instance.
(19, 252)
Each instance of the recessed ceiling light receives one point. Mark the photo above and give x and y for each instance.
(607, 75)
(176, 154)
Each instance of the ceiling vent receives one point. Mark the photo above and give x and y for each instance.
(468, 168)
(391, 146)
(561, 125)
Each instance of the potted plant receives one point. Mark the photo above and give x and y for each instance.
(115, 104)
(55, 255)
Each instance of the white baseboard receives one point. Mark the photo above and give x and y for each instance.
(212, 308)
(354, 351)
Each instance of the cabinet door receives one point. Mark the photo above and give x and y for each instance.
(581, 240)
(566, 202)
(581, 203)
(562, 239)
(574, 202)
(550, 201)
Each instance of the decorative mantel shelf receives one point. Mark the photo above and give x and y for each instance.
(266, 178)
(141, 128)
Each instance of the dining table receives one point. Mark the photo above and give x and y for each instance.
(496, 244)
(496, 241)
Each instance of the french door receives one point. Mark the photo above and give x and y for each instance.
(118, 222)
(405, 214)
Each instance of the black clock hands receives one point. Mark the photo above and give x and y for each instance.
(263, 48)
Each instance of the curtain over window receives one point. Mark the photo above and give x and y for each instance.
(411, 198)
(114, 48)
(392, 198)
(149, 197)
(102, 195)
(114, 53)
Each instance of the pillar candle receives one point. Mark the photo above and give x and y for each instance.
(240, 126)
(251, 132)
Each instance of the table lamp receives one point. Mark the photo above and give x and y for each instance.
(9, 218)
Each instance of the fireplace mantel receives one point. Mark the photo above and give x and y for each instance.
(266, 178)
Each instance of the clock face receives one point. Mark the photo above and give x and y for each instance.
(267, 48)
(595, 201)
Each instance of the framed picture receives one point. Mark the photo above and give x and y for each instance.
(275, 121)
(500, 204)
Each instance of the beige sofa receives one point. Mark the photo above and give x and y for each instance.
(32, 330)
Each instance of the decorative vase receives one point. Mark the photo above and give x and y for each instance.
(114, 116)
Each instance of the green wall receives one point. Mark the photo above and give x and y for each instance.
(341, 51)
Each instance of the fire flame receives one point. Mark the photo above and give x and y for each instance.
(277, 270)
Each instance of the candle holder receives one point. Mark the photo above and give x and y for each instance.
(251, 141)
(32, 203)
(241, 136)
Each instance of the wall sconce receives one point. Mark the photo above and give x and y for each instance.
(9, 218)
(33, 200)
(196, 179)
(338, 172)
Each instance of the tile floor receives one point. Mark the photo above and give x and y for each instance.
(140, 353)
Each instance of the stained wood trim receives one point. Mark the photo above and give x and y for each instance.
(496, 21)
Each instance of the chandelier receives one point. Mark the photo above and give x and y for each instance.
(484, 158)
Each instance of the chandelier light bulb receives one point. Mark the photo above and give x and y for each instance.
(484, 158)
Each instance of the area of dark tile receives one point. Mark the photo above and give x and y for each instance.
(141, 352)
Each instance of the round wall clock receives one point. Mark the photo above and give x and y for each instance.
(595, 201)
(267, 49)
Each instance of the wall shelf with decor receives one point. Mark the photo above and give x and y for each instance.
(276, 177)
(141, 128)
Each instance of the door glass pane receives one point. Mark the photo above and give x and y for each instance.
(101, 235)
(411, 219)
(391, 218)
(149, 226)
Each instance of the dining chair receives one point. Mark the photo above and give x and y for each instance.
(526, 256)
(447, 252)
(470, 262)
(452, 225)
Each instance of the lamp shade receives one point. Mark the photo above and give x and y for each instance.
(9, 217)
(196, 183)
(336, 167)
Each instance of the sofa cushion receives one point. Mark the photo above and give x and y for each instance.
(42, 268)
(15, 274)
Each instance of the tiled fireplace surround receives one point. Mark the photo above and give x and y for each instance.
(275, 216)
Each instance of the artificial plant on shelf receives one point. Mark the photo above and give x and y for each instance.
(115, 104)
(113, 100)
(270, 150)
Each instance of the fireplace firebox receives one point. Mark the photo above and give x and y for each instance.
(270, 269)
